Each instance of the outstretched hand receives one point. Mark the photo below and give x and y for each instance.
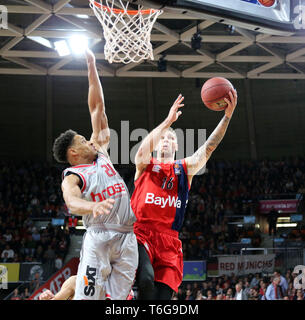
(174, 112)
(232, 102)
(90, 56)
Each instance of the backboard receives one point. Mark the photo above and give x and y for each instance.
(284, 18)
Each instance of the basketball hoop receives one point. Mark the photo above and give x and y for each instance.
(126, 32)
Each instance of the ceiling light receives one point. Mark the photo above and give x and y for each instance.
(43, 41)
(286, 225)
(82, 16)
(62, 48)
(283, 219)
(78, 44)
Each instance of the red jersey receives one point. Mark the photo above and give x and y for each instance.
(160, 196)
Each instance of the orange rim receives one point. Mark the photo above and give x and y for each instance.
(117, 11)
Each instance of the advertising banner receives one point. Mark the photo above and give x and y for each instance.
(10, 271)
(286, 206)
(28, 270)
(55, 282)
(245, 264)
(194, 271)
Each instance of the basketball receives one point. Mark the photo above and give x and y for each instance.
(267, 3)
(214, 91)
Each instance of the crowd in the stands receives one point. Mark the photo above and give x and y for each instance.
(251, 287)
(29, 191)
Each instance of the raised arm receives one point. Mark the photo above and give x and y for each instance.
(73, 199)
(149, 143)
(198, 160)
(100, 130)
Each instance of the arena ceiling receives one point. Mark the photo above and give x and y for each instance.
(238, 53)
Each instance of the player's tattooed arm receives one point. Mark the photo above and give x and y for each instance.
(151, 141)
(202, 155)
(198, 160)
(73, 199)
(100, 130)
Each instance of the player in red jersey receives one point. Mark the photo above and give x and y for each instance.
(160, 198)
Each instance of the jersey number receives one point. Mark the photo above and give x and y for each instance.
(109, 170)
(169, 185)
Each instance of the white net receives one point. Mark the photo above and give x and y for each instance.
(126, 32)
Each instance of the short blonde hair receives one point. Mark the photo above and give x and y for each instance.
(170, 129)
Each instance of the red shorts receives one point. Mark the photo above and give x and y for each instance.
(165, 253)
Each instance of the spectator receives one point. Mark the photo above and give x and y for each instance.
(228, 297)
(219, 296)
(299, 295)
(62, 247)
(49, 256)
(35, 283)
(210, 295)
(174, 297)
(255, 281)
(181, 294)
(54, 243)
(10, 252)
(16, 295)
(253, 294)
(247, 288)
(58, 263)
(262, 289)
(26, 294)
(273, 290)
(240, 293)
(283, 284)
(288, 276)
(39, 254)
(229, 294)
(189, 295)
(5, 258)
(291, 291)
(23, 251)
(199, 295)
(36, 235)
(204, 289)
(218, 289)
(8, 237)
(30, 245)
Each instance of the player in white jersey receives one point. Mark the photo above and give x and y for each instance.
(93, 189)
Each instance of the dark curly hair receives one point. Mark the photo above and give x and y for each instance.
(61, 145)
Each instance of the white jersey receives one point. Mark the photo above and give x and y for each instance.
(99, 182)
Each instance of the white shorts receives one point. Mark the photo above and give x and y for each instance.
(108, 264)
